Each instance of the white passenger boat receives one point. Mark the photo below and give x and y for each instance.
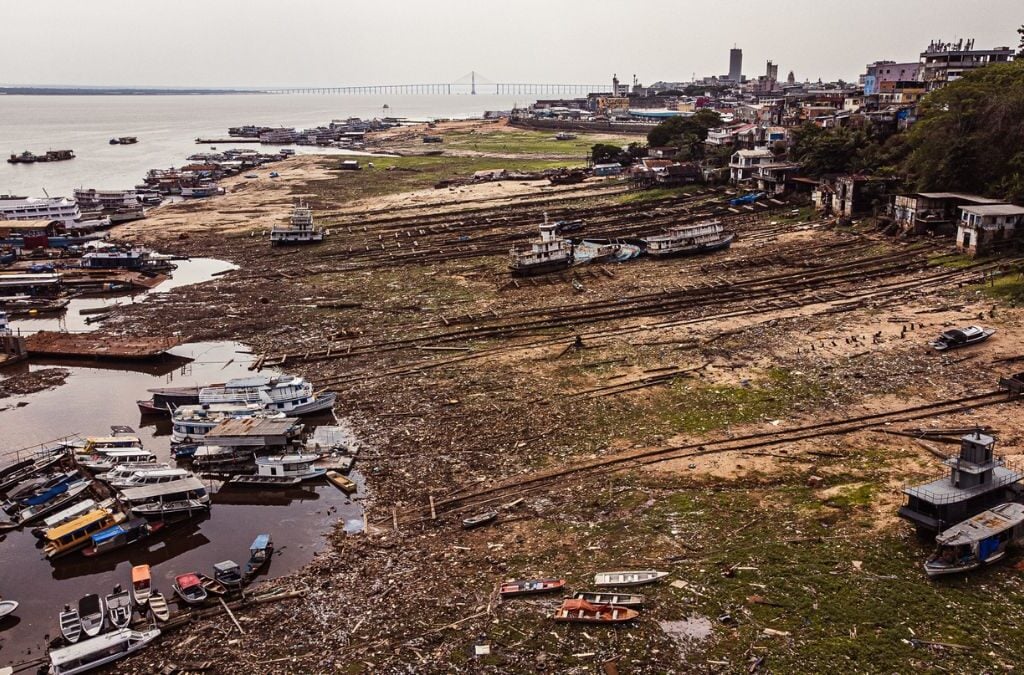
(298, 230)
(123, 471)
(37, 511)
(111, 458)
(288, 394)
(282, 470)
(628, 578)
(186, 495)
(142, 477)
(99, 651)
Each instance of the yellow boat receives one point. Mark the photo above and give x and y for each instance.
(75, 534)
(341, 482)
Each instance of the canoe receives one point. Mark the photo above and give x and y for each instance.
(119, 607)
(92, 613)
(142, 583)
(577, 610)
(7, 606)
(619, 599)
(70, 624)
(189, 588)
(211, 585)
(343, 483)
(479, 519)
(530, 586)
(628, 578)
(158, 605)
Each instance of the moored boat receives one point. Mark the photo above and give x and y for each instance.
(288, 394)
(7, 607)
(619, 599)
(260, 552)
(142, 584)
(20, 471)
(92, 614)
(189, 588)
(282, 470)
(77, 533)
(119, 607)
(70, 624)
(211, 585)
(343, 483)
(628, 578)
(693, 239)
(98, 651)
(33, 513)
(577, 610)
(228, 573)
(530, 586)
(120, 535)
(158, 605)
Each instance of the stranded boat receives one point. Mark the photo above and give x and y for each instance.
(189, 588)
(618, 599)
(479, 519)
(260, 552)
(158, 605)
(977, 541)
(530, 586)
(683, 240)
(577, 610)
(99, 651)
(961, 337)
(299, 230)
(343, 483)
(551, 253)
(628, 578)
(229, 574)
(284, 393)
(92, 614)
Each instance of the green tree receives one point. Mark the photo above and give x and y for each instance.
(603, 153)
(686, 133)
(969, 135)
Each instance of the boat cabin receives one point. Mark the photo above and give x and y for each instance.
(98, 651)
(76, 533)
(978, 540)
(547, 254)
(181, 489)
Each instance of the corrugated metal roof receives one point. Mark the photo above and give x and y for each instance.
(253, 426)
(994, 210)
(162, 489)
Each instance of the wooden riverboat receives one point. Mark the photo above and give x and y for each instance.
(70, 624)
(479, 519)
(618, 599)
(550, 253)
(211, 585)
(530, 587)
(980, 540)
(77, 533)
(343, 483)
(158, 606)
(628, 578)
(580, 611)
(691, 239)
(16, 473)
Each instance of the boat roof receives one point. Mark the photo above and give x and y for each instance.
(260, 542)
(126, 452)
(98, 644)
(983, 525)
(253, 426)
(140, 573)
(187, 580)
(262, 381)
(113, 439)
(81, 521)
(161, 489)
(226, 565)
(288, 459)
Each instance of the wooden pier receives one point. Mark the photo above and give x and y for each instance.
(97, 346)
(223, 141)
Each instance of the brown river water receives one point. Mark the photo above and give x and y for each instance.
(97, 395)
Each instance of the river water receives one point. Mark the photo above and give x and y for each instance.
(94, 397)
(167, 127)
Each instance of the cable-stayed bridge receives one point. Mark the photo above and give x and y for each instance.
(471, 83)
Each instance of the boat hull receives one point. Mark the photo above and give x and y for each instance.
(699, 249)
(540, 268)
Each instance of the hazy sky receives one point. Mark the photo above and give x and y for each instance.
(335, 42)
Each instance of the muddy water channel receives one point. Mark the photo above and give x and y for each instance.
(97, 395)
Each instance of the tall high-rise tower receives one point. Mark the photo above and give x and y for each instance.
(735, 64)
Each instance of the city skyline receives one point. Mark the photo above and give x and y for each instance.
(313, 44)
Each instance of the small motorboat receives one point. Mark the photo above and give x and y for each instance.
(343, 483)
(7, 607)
(119, 607)
(70, 624)
(228, 573)
(211, 585)
(158, 605)
(189, 588)
(142, 584)
(530, 586)
(618, 599)
(961, 337)
(260, 552)
(628, 578)
(479, 519)
(577, 610)
(92, 614)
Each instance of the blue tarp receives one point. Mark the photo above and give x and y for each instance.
(987, 547)
(107, 534)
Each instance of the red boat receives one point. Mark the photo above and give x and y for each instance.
(578, 610)
(530, 586)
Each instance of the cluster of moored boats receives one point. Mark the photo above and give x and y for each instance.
(98, 629)
(552, 252)
(600, 606)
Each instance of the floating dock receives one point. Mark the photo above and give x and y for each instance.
(92, 345)
(225, 141)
